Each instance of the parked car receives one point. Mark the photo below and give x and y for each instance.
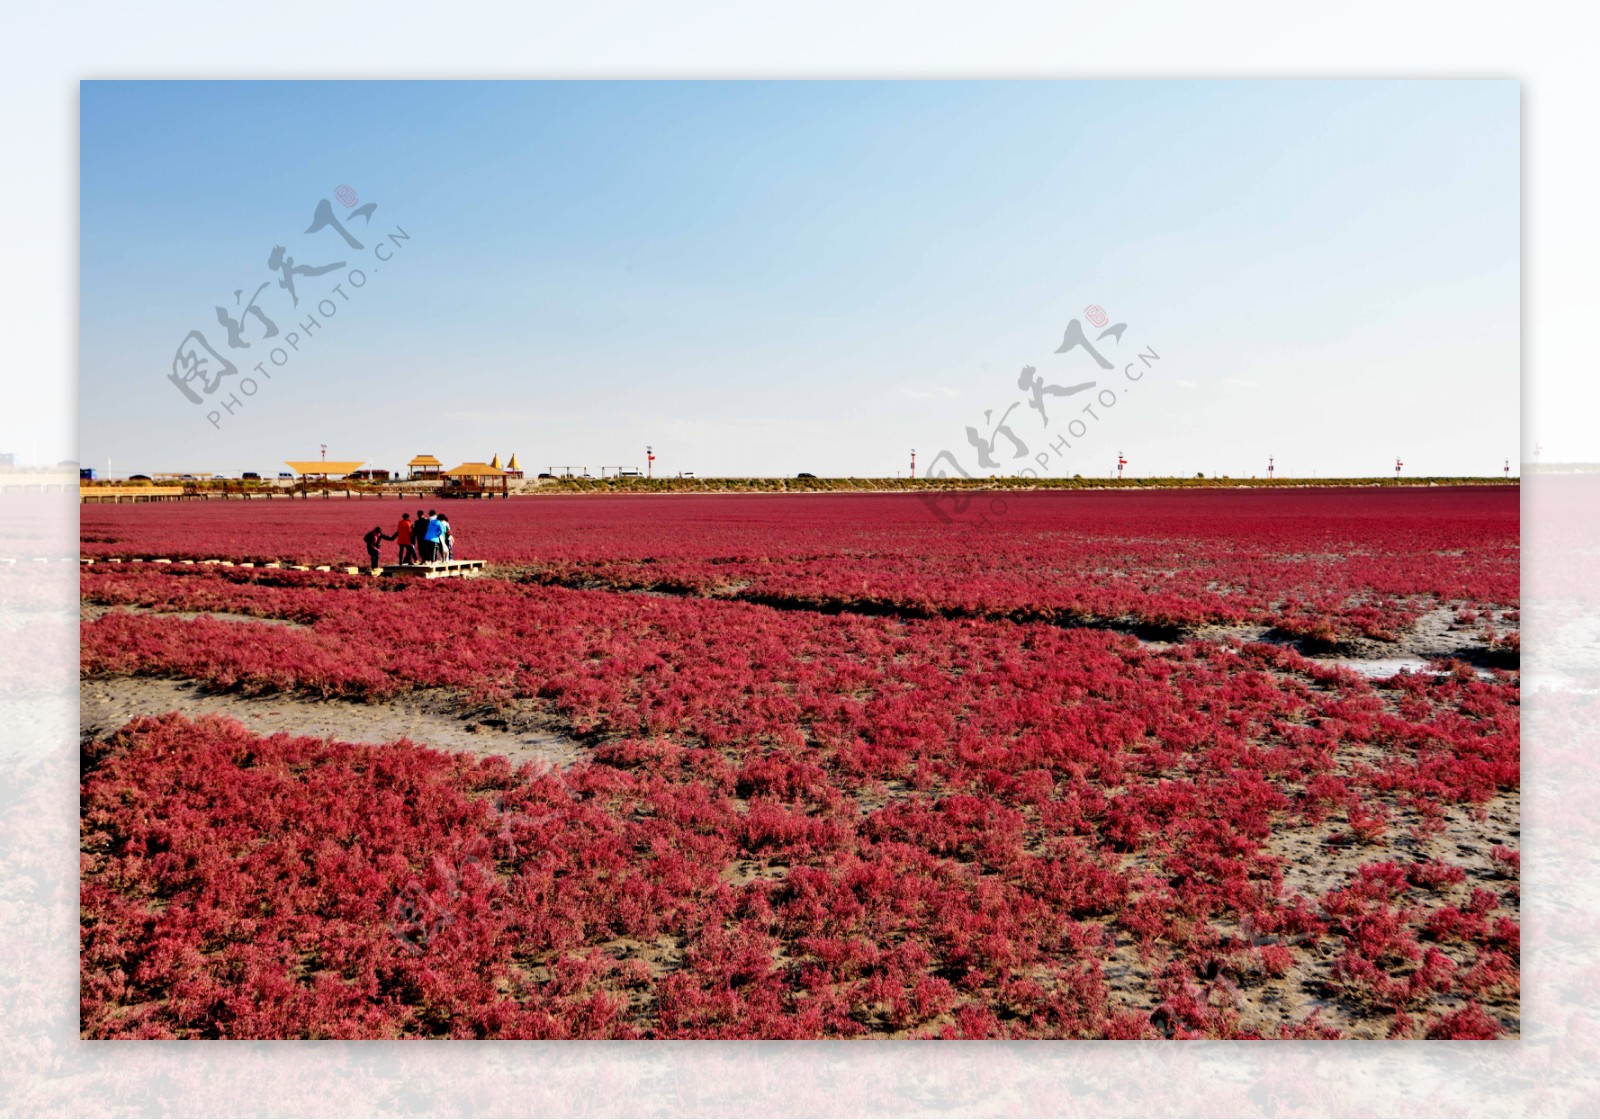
(251, 476)
(138, 478)
(286, 474)
(85, 474)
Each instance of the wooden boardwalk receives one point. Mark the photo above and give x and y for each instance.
(116, 494)
(439, 569)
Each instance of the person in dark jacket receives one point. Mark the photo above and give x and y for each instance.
(372, 540)
(419, 537)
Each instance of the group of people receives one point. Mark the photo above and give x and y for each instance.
(424, 541)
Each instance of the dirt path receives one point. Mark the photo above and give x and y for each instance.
(431, 718)
(88, 612)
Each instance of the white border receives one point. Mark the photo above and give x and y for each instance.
(48, 48)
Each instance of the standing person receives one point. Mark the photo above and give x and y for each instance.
(402, 535)
(373, 540)
(447, 539)
(432, 536)
(419, 537)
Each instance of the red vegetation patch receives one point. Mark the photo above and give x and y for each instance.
(794, 825)
(1322, 565)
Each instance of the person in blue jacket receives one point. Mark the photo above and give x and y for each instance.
(433, 536)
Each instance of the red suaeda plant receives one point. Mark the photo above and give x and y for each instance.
(938, 821)
(1325, 566)
(1471, 1022)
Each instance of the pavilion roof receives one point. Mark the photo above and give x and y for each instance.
(318, 466)
(474, 470)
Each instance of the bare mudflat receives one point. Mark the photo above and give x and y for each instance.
(427, 718)
(1321, 858)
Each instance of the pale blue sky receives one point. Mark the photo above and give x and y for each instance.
(765, 278)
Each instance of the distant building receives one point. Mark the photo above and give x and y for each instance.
(512, 470)
(370, 474)
(323, 469)
(425, 467)
(470, 478)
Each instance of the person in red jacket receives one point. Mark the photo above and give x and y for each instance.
(402, 536)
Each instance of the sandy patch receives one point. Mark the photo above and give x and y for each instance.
(432, 718)
(88, 612)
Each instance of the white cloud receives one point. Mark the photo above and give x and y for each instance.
(1184, 384)
(1241, 383)
(917, 394)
